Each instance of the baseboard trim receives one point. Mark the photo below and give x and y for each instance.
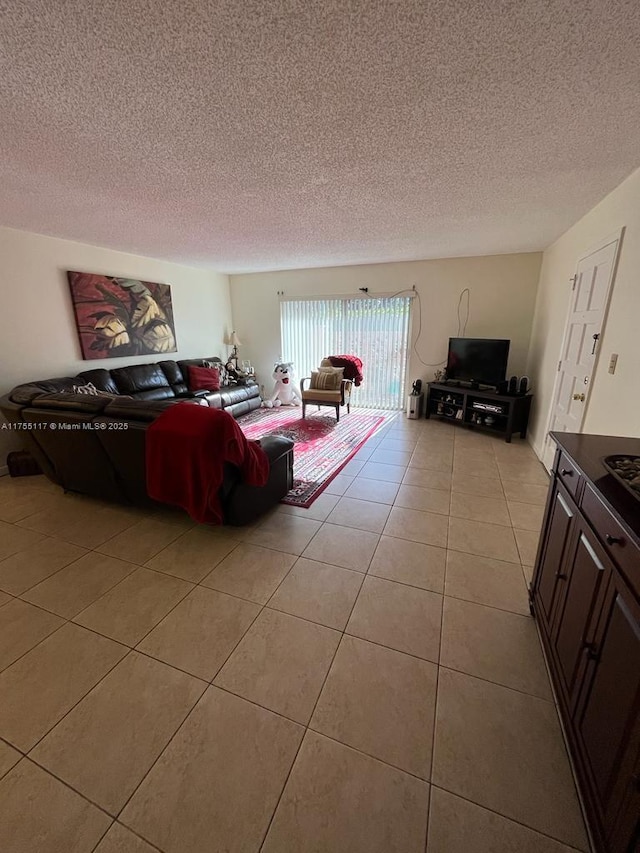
(537, 450)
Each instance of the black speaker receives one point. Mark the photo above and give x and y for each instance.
(523, 387)
(503, 387)
(513, 385)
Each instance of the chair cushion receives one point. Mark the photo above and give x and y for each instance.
(325, 380)
(203, 378)
(313, 395)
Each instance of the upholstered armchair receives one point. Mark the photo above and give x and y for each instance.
(327, 387)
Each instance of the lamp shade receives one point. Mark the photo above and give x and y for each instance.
(233, 340)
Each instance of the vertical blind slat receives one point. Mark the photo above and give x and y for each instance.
(376, 330)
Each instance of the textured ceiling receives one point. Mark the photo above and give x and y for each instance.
(252, 134)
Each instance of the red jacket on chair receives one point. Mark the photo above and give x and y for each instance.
(352, 367)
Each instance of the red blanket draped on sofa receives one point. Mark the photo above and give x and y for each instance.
(186, 448)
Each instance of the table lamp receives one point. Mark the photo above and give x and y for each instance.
(234, 341)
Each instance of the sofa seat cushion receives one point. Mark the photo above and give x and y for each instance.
(238, 394)
(138, 410)
(88, 403)
(155, 394)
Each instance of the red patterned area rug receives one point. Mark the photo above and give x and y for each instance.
(322, 446)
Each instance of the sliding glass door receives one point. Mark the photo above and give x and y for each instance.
(374, 329)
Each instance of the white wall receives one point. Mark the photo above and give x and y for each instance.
(614, 405)
(38, 338)
(503, 293)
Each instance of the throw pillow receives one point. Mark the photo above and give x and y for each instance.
(338, 371)
(222, 371)
(204, 379)
(89, 388)
(323, 381)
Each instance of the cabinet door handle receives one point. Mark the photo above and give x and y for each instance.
(566, 472)
(614, 540)
(561, 576)
(592, 651)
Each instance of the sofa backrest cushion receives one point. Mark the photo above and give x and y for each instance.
(143, 381)
(101, 378)
(171, 370)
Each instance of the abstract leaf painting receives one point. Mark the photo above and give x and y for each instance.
(121, 316)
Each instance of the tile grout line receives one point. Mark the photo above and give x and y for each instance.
(162, 752)
(40, 641)
(75, 704)
(313, 710)
(262, 608)
(127, 829)
(509, 818)
(71, 788)
(209, 684)
(435, 710)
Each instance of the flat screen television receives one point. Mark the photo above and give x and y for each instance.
(481, 360)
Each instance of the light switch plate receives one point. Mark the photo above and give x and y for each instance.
(612, 362)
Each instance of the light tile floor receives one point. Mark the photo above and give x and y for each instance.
(361, 677)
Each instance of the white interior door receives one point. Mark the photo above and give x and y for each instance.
(583, 334)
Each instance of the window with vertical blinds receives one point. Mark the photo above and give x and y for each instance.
(374, 329)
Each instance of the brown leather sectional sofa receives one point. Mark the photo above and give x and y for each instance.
(95, 444)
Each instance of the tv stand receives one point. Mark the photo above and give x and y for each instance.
(474, 408)
(461, 383)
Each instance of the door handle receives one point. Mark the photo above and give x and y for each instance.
(579, 397)
(595, 343)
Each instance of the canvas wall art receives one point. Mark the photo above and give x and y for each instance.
(121, 316)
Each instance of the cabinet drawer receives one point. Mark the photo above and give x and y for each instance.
(568, 474)
(617, 544)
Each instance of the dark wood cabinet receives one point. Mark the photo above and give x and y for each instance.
(561, 515)
(585, 595)
(485, 410)
(607, 720)
(585, 573)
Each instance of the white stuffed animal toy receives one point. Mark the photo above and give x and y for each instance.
(285, 393)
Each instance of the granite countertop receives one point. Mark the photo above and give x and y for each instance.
(587, 452)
